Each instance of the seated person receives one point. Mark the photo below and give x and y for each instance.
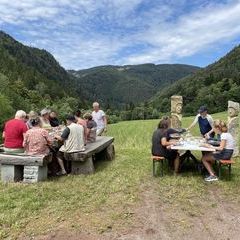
(224, 151)
(37, 140)
(161, 143)
(54, 122)
(91, 127)
(78, 115)
(73, 138)
(14, 132)
(31, 115)
(45, 116)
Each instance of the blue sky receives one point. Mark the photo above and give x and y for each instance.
(86, 33)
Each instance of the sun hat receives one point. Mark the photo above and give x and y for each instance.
(45, 111)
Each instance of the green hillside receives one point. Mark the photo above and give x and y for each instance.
(117, 86)
(31, 79)
(212, 86)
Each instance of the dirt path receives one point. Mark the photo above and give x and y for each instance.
(155, 220)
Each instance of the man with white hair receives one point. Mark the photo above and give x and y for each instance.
(14, 131)
(100, 118)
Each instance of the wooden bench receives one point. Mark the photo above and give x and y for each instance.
(18, 167)
(158, 159)
(225, 163)
(83, 162)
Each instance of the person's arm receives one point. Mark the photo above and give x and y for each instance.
(220, 148)
(3, 135)
(85, 129)
(25, 140)
(105, 122)
(48, 138)
(193, 123)
(207, 135)
(64, 135)
(210, 120)
(166, 143)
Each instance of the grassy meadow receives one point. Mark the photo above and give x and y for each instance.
(105, 200)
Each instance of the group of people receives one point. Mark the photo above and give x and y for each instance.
(34, 134)
(162, 142)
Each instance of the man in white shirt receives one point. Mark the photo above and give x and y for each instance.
(100, 118)
(73, 141)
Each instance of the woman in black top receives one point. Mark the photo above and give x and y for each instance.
(161, 144)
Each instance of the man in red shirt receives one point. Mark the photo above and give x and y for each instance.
(13, 133)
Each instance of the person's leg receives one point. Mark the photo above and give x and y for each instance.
(60, 157)
(176, 164)
(207, 160)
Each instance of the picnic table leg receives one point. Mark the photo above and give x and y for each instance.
(154, 169)
(229, 171)
(219, 170)
(85, 167)
(33, 174)
(11, 173)
(161, 168)
(107, 154)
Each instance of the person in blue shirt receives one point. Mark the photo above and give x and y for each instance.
(205, 122)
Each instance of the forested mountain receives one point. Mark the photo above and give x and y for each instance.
(31, 79)
(117, 86)
(212, 86)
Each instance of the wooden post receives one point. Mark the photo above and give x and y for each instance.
(86, 167)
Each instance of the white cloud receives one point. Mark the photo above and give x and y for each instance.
(84, 33)
(190, 34)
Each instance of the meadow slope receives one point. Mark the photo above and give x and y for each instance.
(122, 200)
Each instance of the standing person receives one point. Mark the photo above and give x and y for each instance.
(161, 143)
(36, 140)
(205, 122)
(73, 139)
(13, 133)
(54, 122)
(100, 118)
(224, 151)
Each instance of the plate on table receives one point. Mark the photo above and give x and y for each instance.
(214, 143)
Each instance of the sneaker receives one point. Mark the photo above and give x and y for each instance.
(61, 173)
(211, 178)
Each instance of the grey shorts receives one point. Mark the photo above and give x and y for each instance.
(225, 154)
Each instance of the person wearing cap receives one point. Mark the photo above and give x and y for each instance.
(100, 118)
(73, 141)
(45, 118)
(91, 127)
(205, 122)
